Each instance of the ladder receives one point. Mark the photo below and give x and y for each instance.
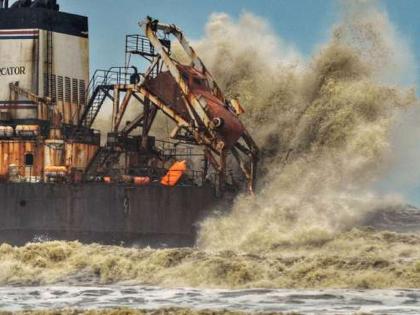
(99, 88)
(49, 66)
(103, 161)
(93, 106)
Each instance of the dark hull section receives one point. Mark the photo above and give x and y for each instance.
(109, 214)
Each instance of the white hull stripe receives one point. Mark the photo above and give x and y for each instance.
(19, 34)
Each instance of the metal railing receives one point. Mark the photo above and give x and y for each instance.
(139, 45)
(174, 149)
(97, 91)
(112, 76)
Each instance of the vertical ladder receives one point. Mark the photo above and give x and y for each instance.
(49, 64)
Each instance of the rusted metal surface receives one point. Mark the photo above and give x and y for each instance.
(27, 130)
(42, 103)
(121, 110)
(54, 153)
(78, 155)
(186, 93)
(212, 119)
(166, 87)
(14, 152)
(17, 90)
(51, 153)
(104, 213)
(62, 182)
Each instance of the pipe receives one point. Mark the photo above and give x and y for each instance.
(6, 4)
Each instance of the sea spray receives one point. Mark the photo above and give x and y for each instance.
(326, 134)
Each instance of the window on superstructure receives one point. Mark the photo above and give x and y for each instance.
(67, 89)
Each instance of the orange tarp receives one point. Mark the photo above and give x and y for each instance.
(174, 174)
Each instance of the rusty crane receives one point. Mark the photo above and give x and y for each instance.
(185, 92)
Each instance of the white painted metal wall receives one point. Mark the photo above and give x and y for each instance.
(23, 58)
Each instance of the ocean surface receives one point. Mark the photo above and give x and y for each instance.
(253, 300)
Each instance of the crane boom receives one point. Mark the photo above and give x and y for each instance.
(212, 119)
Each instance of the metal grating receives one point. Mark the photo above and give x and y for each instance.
(82, 92)
(60, 88)
(67, 90)
(53, 88)
(75, 91)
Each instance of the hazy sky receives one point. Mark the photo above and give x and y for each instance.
(302, 23)
(305, 23)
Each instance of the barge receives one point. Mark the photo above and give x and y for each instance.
(127, 183)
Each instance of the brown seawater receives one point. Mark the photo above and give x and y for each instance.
(326, 141)
(353, 259)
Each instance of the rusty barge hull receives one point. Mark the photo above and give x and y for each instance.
(60, 179)
(108, 214)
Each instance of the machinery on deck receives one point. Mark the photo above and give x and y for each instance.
(186, 93)
(62, 178)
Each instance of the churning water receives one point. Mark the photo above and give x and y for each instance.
(328, 139)
(253, 300)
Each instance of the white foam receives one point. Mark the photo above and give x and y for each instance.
(261, 300)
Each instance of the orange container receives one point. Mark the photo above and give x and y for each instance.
(55, 169)
(141, 181)
(174, 174)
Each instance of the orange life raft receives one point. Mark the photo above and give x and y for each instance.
(174, 174)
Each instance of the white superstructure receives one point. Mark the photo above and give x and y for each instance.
(47, 53)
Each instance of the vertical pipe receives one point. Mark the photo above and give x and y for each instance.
(115, 108)
(6, 4)
(145, 131)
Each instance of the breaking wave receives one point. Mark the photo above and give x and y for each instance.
(353, 259)
(324, 126)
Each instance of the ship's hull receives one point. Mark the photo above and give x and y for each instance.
(107, 214)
